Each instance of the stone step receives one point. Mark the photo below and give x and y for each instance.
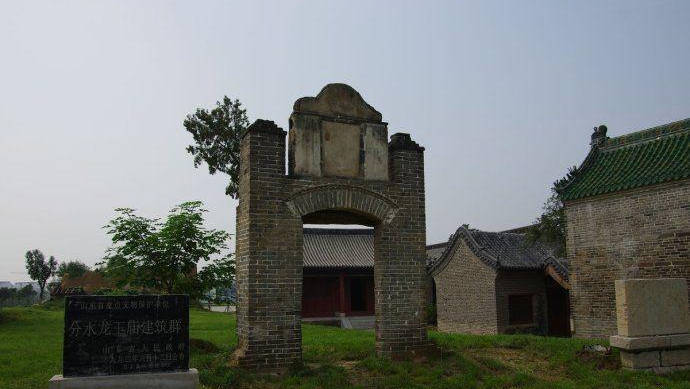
(359, 322)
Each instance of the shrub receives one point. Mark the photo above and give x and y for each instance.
(72, 269)
(430, 314)
(103, 292)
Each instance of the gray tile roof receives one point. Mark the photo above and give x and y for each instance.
(503, 251)
(330, 248)
(434, 251)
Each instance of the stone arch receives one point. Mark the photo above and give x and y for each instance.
(369, 181)
(318, 201)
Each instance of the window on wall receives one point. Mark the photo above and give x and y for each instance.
(520, 309)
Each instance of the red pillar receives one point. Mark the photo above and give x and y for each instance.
(342, 292)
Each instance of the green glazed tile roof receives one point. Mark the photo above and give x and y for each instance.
(648, 157)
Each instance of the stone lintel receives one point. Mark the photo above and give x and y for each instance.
(650, 342)
(338, 119)
(173, 380)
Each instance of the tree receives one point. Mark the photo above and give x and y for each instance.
(161, 255)
(218, 274)
(27, 293)
(217, 134)
(7, 294)
(550, 227)
(72, 269)
(40, 270)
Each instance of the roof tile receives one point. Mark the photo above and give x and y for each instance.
(503, 251)
(643, 158)
(338, 248)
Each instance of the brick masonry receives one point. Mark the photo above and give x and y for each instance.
(270, 215)
(639, 233)
(466, 295)
(659, 360)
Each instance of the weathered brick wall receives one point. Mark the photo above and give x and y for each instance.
(640, 233)
(514, 283)
(269, 246)
(400, 254)
(268, 277)
(466, 295)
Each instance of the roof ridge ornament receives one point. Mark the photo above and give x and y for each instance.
(599, 136)
(605, 161)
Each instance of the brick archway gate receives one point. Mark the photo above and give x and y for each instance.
(381, 186)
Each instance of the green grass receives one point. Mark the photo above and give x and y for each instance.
(31, 349)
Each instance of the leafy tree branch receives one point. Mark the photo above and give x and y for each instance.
(217, 134)
(551, 226)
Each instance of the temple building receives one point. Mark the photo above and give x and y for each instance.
(497, 282)
(628, 216)
(338, 284)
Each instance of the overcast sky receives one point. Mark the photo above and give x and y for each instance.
(503, 96)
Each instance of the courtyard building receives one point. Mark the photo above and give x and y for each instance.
(338, 277)
(628, 216)
(497, 282)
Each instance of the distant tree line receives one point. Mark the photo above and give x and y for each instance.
(10, 297)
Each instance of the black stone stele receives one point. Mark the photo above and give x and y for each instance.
(110, 335)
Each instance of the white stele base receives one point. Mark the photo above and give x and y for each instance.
(174, 380)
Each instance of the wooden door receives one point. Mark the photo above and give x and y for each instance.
(319, 296)
(371, 299)
(558, 309)
(360, 295)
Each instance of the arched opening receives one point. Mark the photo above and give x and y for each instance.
(339, 253)
(341, 204)
(338, 275)
(338, 268)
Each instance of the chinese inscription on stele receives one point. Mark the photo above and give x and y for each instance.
(110, 335)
